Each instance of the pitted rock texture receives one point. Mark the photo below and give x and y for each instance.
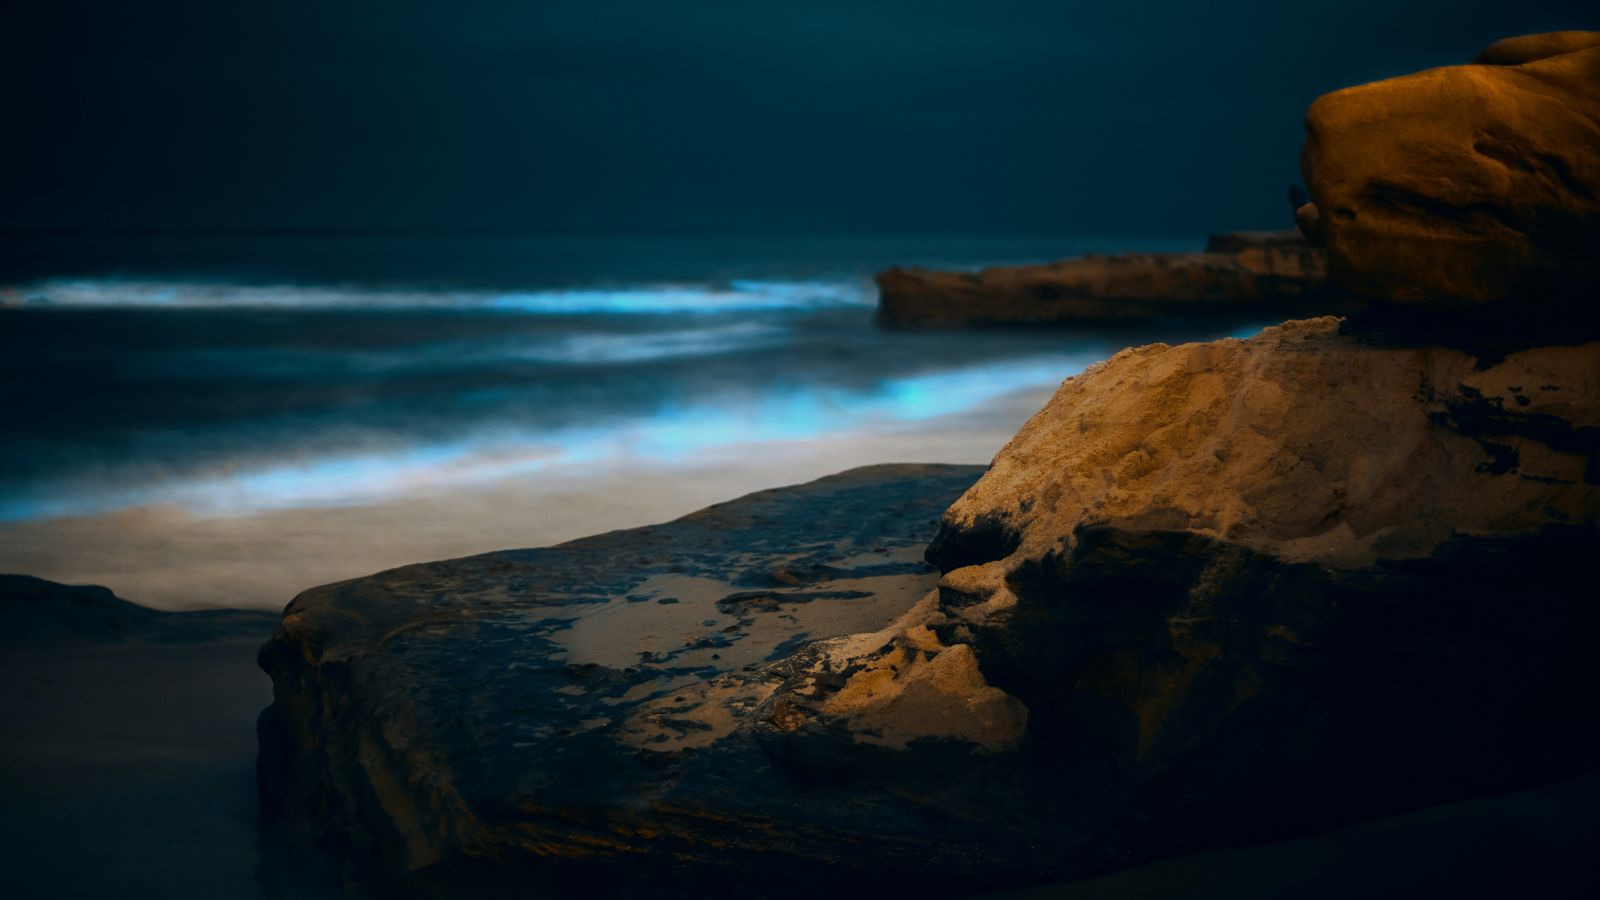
(1305, 443)
(1466, 185)
(1262, 586)
(1274, 274)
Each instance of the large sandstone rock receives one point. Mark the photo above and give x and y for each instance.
(1211, 594)
(1466, 185)
(1272, 274)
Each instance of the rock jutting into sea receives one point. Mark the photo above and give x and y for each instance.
(1210, 595)
(1239, 276)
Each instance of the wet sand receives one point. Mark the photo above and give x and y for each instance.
(168, 558)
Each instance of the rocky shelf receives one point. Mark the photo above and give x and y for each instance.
(1240, 276)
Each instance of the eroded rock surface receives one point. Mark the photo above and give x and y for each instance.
(1262, 586)
(1465, 185)
(1274, 274)
(591, 717)
(1212, 594)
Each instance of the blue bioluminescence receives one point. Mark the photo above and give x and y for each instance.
(673, 434)
(738, 295)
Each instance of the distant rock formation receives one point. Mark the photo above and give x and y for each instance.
(1239, 276)
(1466, 185)
(34, 611)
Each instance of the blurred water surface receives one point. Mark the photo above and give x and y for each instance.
(352, 373)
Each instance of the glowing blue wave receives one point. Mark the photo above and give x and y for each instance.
(568, 348)
(672, 435)
(747, 295)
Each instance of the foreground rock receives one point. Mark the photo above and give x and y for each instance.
(1211, 594)
(511, 719)
(1238, 277)
(1467, 185)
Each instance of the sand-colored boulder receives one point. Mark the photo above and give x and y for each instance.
(1292, 579)
(1514, 51)
(1466, 185)
(1306, 444)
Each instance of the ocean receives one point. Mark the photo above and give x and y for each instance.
(222, 422)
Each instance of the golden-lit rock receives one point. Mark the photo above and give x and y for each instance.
(1297, 579)
(1465, 185)
(1514, 51)
(1306, 444)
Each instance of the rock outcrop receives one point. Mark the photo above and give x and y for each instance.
(1466, 185)
(1211, 594)
(1239, 276)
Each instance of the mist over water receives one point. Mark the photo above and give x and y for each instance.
(151, 411)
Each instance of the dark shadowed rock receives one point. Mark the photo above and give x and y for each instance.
(1240, 275)
(1259, 587)
(1467, 185)
(33, 610)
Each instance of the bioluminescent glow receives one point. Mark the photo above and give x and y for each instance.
(674, 434)
(569, 347)
(739, 295)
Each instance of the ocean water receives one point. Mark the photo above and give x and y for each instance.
(227, 425)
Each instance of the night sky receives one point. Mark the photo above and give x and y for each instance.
(651, 117)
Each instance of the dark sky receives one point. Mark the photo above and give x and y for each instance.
(654, 117)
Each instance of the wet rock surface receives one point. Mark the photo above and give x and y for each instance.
(586, 717)
(1272, 274)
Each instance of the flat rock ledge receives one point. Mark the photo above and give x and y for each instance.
(1272, 275)
(576, 718)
